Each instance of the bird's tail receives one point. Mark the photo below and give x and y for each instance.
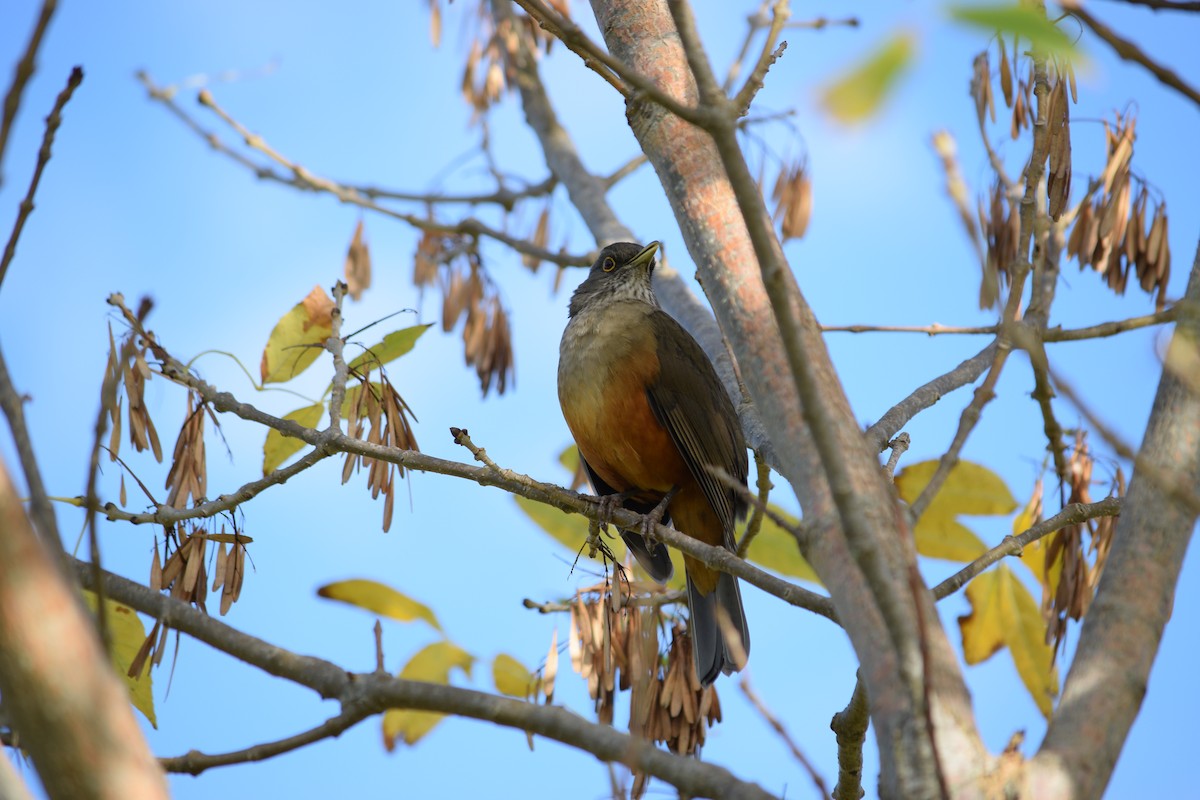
(713, 654)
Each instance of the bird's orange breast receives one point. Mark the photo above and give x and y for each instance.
(606, 363)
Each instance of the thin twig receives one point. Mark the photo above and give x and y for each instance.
(930, 330)
(764, 486)
(770, 53)
(26, 66)
(309, 180)
(966, 423)
(1129, 51)
(43, 158)
(40, 507)
(850, 727)
(566, 31)
(1166, 5)
(1110, 328)
(774, 722)
(195, 762)
(898, 446)
(592, 54)
(461, 437)
(168, 516)
(1073, 514)
(657, 597)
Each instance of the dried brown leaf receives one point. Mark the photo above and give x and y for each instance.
(1006, 84)
(357, 268)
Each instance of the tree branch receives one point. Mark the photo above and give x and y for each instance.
(850, 728)
(43, 158)
(1129, 51)
(371, 693)
(333, 440)
(195, 762)
(1013, 545)
(26, 66)
(1123, 629)
(71, 711)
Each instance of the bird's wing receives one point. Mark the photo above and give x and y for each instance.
(691, 403)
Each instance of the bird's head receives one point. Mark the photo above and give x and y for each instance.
(621, 272)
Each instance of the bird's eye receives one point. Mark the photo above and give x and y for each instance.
(609, 264)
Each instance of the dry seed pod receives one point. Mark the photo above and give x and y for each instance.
(1006, 84)
(981, 88)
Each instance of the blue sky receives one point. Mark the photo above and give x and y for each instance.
(133, 202)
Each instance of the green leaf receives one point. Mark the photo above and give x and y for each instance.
(1018, 19)
(128, 634)
(775, 549)
(379, 599)
(858, 93)
(432, 664)
(280, 448)
(394, 345)
(296, 340)
(1004, 614)
(511, 677)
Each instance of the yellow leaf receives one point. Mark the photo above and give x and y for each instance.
(511, 677)
(127, 633)
(280, 448)
(379, 599)
(295, 342)
(1003, 613)
(969, 489)
(432, 664)
(945, 537)
(858, 93)
(776, 549)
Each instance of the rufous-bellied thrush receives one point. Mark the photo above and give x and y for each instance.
(650, 417)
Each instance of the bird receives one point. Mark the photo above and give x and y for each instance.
(650, 418)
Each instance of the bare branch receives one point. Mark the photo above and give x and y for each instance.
(1166, 5)
(26, 66)
(1013, 545)
(194, 762)
(43, 158)
(899, 446)
(372, 693)
(1122, 631)
(71, 711)
(850, 727)
(1129, 51)
(925, 396)
(966, 423)
(769, 55)
(1110, 328)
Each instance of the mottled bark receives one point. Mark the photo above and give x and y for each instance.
(1124, 626)
(70, 710)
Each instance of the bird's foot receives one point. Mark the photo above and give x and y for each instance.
(655, 517)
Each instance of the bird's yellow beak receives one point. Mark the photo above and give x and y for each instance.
(646, 255)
